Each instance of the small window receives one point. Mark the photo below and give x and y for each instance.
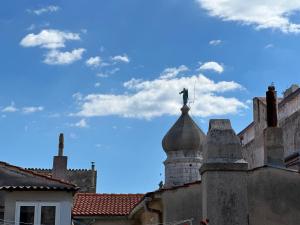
(48, 215)
(26, 215)
(37, 213)
(1, 213)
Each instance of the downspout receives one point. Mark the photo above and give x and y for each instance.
(146, 202)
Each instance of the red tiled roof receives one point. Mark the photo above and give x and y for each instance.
(89, 204)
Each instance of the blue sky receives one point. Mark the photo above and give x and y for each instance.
(107, 74)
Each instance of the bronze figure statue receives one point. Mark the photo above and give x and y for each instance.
(185, 95)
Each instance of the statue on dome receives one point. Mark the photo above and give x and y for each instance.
(185, 95)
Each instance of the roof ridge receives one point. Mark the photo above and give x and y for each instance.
(38, 174)
(111, 194)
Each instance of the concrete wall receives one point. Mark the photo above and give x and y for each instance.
(274, 197)
(287, 108)
(289, 120)
(65, 199)
(183, 203)
(291, 133)
(248, 135)
(145, 217)
(253, 150)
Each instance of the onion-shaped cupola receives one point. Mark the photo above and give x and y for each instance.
(183, 145)
(184, 134)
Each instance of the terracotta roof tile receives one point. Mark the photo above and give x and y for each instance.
(90, 204)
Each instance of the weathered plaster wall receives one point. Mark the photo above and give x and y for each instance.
(86, 179)
(148, 217)
(64, 198)
(248, 135)
(274, 197)
(287, 108)
(104, 220)
(291, 133)
(289, 120)
(183, 203)
(253, 151)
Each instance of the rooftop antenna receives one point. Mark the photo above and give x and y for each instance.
(192, 102)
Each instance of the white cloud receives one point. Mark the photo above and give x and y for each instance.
(263, 14)
(114, 70)
(102, 75)
(81, 124)
(173, 72)
(215, 42)
(93, 61)
(269, 46)
(47, 9)
(55, 57)
(32, 109)
(49, 39)
(31, 27)
(212, 66)
(108, 72)
(11, 108)
(98, 84)
(121, 58)
(153, 98)
(73, 136)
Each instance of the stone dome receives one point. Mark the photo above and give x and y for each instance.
(184, 134)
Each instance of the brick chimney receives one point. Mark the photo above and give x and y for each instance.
(273, 135)
(60, 161)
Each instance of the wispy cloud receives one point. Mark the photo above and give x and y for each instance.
(80, 124)
(32, 109)
(108, 72)
(263, 14)
(102, 75)
(47, 9)
(214, 66)
(153, 98)
(50, 39)
(173, 72)
(269, 46)
(215, 42)
(25, 110)
(121, 58)
(55, 57)
(10, 109)
(93, 61)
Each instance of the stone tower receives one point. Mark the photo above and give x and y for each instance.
(224, 177)
(183, 145)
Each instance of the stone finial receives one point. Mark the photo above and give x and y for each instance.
(185, 109)
(61, 145)
(271, 98)
(223, 145)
